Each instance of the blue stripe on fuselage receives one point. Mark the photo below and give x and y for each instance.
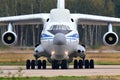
(74, 36)
(46, 36)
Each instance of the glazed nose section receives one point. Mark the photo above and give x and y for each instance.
(59, 39)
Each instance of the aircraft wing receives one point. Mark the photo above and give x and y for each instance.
(24, 19)
(95, 20)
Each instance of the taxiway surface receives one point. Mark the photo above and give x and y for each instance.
(99, 70)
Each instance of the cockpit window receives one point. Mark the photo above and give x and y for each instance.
(54, 29)
(59, 27)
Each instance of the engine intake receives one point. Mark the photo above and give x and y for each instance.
(9, 38)
(110, 38)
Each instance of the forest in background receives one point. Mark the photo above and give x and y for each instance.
(91, 35)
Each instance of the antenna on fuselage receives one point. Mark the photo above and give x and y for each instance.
(61, 4)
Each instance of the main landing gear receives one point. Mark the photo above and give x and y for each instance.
(36, 63)
(57, 64)
(78, 64)
(87, 64)
(32, 64)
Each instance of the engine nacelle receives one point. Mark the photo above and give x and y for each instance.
(110, 38)
(9, 38)
(81, 51)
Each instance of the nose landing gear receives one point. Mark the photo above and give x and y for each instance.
(57, 64)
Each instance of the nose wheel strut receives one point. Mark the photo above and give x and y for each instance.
(57, 64)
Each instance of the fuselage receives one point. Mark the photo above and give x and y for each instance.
(60, 39)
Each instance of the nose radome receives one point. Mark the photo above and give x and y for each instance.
(59, 39)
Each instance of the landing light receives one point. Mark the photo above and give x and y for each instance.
(53, 52)
(66, 52)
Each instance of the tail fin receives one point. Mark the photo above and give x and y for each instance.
(60, 4)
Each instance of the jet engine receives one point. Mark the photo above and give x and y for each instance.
(9, 38)
(110, 38)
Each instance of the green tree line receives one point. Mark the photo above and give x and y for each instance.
(89, 34)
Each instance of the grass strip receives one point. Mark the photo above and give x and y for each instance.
(65, 78)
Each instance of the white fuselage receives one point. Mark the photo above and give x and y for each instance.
(60, 38)
(60, 51)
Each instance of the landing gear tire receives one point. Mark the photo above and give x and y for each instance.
(33, 64)
(64, 64)
(39, 64)
(87, 64)
(80, 64)
(92, 64)
(75, 64)
(55, 64)
(28, 64)
(44, 64)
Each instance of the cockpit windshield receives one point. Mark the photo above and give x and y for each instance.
(54, 29)
(59, 27)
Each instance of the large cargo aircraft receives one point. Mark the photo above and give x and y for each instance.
(59, 37)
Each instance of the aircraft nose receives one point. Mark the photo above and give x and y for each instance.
(59, 39)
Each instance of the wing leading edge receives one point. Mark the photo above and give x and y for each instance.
(25, 19)
(95, 20)
(40, 18)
